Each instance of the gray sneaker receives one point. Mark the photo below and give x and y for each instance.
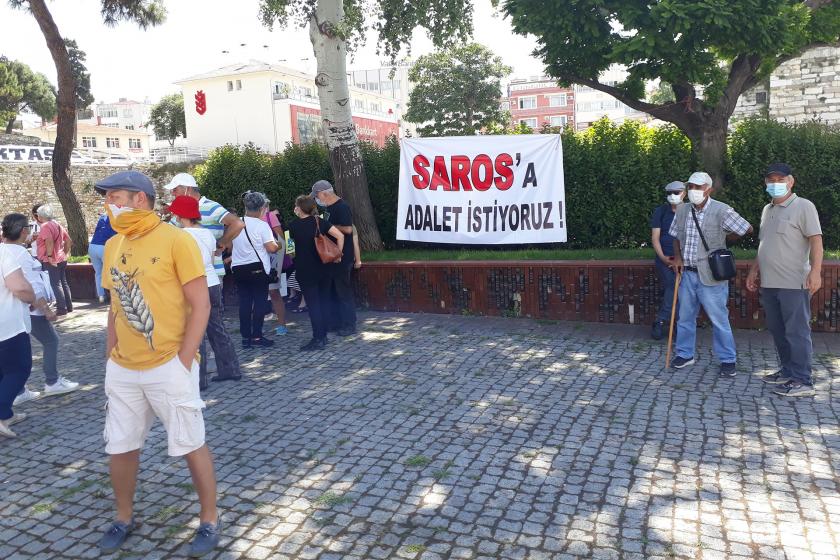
(206, 539)
(115, 536)
(778, 378)
(795, 389)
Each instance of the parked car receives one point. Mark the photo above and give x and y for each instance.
(118, 160)
(79, 158)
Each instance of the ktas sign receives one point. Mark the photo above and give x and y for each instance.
(482, 190)
(25, 154)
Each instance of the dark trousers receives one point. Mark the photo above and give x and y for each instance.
(343, 314)
(317, 294)
(227, 362)
(15, 367)
(667, 278)
(788, 316)
(60, 286)
(253, 293)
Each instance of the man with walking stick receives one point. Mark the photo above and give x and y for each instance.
(663, 246)
(700, 228)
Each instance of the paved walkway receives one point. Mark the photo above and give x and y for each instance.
(454, 437)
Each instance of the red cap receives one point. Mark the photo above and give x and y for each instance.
(185, 207)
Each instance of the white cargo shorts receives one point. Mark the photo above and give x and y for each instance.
(135, 397)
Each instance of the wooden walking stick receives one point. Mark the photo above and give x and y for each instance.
(673, 315)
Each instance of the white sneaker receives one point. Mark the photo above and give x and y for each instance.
(27, 395)
(5, 430)
(16, 417)
(59, 387)
(101, 299)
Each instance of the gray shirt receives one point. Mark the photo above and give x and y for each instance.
(784, 248)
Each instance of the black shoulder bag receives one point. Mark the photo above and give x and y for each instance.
(722, 261)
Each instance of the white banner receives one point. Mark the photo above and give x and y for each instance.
(492, 190)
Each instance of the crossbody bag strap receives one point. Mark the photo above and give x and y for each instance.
(700, 231)
(252, 243)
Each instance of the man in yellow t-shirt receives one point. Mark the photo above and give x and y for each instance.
(159, 311)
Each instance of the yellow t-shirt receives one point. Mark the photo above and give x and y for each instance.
(145, 277)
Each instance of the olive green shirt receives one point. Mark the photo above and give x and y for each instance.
(784, 249)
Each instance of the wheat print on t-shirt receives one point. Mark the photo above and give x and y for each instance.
(133, 304)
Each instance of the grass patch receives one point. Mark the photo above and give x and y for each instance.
(444, 473)
(415, 549)
(332, 499)
(418, 461)
(249, 417)
(44, 507)
(166, 513)
(185, 486)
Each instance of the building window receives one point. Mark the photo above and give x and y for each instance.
(528, 102)
(128, 113)
(559, 120)
(133, 143)
(230, 85)
(108, 113)
(112, 142)
(113, 125)
(761, 97)
(281, 90)
(88, 142)
(505, 105)
(530, 123)
(359, 104)
(129, 127)
(374, 107)
(238, 85)
(557, 100)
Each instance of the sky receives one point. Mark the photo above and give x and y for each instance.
(125, 61)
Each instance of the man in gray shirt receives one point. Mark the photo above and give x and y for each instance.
(788, 269)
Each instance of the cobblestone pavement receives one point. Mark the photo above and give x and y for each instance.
(453, 437)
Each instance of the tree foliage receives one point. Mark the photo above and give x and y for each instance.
(167, 118)
(710, 51)
(84, 95)
(457, 91)
(447, 21)
(22, 90)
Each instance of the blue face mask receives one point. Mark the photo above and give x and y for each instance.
(318, 202)
(777, 190)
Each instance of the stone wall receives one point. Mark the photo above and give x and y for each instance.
(21, 140)
(802, 89)
(24, 185)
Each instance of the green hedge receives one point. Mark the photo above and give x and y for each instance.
(614, 176)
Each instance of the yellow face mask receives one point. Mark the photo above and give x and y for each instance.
(131, 222)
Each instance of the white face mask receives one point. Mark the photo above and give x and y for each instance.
(696, 196)
(674, 199)
(117, 210)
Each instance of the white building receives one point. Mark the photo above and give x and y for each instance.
(398, 87)
(270, 106)
(125, 114)
(591, 104)
(101, 142)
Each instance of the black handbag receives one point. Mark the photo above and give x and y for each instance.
(256, 268)
(722, 261)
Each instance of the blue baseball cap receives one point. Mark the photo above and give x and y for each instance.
(133, 181)
(778, 168)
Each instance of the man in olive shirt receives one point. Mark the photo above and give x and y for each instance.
(790, 232)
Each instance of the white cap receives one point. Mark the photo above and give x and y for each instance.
(181, 180)
(700, 178)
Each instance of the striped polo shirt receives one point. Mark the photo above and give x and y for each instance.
(212, 214)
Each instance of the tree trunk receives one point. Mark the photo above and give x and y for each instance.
(66, 104)
(11, 124)
(343, 144)
(708, 143)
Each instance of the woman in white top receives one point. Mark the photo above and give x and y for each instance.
(186, 212)
(251, 265)
(41, 318)
(16, 294)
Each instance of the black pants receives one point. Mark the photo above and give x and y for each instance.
(60, 286)
(15, 367)
(343, 314)
(253, 293)
(317, 294)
